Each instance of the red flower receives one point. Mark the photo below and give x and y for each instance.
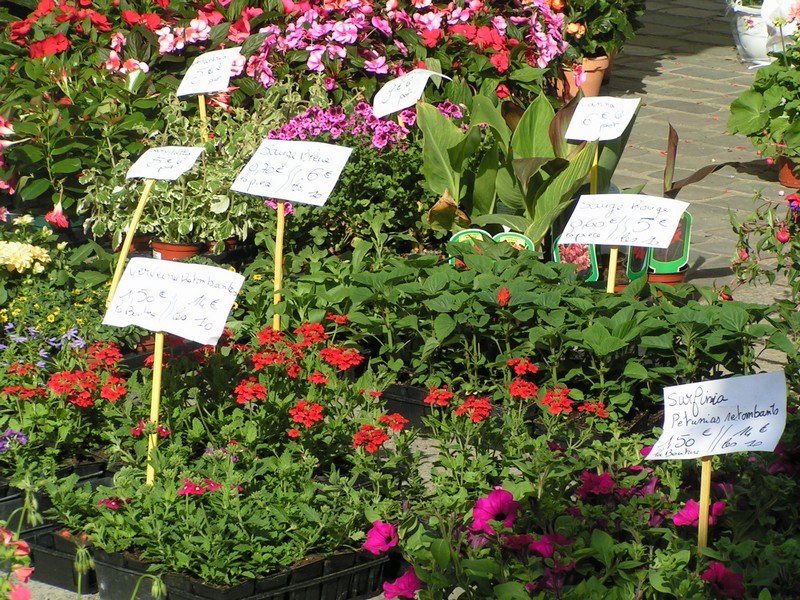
(468, 31)
(20, 30)
(395, 421)
(501, 61)
(477, 408)
(294, 433)
(106, 354)
(596, 485)
(431, 37)
(311, 333)
(343, 358)
(556, 400)
(370, 437)
(114, 389)
(51, 45)
(503, 296)
(306, 413)
(597, 408)
(783, 236)
(439, 396)
(212, 485)
(318, 378)
(338, 319)
(191, 489)
(520, 388)
(502, 91)
(249, 389)
(522, 366)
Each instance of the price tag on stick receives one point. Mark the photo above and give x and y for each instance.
(623, 220)
(601, 118)
(296, 171)
(402, 92)
(210, 72)
(165, 163)
(738, 414)
(188, 300)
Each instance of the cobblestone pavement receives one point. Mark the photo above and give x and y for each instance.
(684, 67)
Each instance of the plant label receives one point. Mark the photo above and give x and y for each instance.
(304, 172)
(188, 300)
(210, 72)
(601, 118)
(167, 163)
(738, 414)
(623, 220)
(402, 92)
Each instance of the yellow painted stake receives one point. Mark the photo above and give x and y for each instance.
(278, 281)
(126, 245)
(705, 502)
(614, 254)
(155, 403)
(201, 106)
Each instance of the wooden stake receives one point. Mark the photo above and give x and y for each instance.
(612, 269)
(705, 502)
(278, 281)
(126, 245)
(201, 105)
(155, 403)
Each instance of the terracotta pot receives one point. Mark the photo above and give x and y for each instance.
(593, 68)
(786, 173)
(166, 251)
(668, 278)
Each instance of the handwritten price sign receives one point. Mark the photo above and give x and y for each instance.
(210, 72)
(191, 301)
(304, 172)
(402, 92)
(166, 163)
(601, 118)
(623, 220)
(739, 414)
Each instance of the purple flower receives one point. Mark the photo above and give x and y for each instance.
(597, 485)
(380, 538)
(499, 506)
(404, 586)
(724, 582)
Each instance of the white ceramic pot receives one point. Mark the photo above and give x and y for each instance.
(750, 34)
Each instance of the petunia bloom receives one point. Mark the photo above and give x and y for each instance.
(690, 514)
(499, 506)
(404, 586)
(381, 537)
(725, 583)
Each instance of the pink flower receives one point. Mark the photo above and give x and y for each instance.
(191, 489)
(3, 214)
(377, 66)
(597, 485)
(724, 582)
(198, 31)
(118, 41)
(380, 538)
(499, 505)
(546, 546)
(5, 127)
(132, 64)
(23, 573)
(288, 209)
(690, 515)
(783, 236)
(19, 592)
(406, 586)
(56, 217)
(578, 76)
(237, 66)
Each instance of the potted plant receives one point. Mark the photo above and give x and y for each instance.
(750, 31)
(767, 112)
(595, 32)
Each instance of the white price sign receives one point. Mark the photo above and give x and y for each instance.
(165, 163)
(210, 72)
(402, 92)
(623, 220)
(304, 172)
(738, 414)
(601, 118)
(188, 300)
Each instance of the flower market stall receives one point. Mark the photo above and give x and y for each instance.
(228, 425)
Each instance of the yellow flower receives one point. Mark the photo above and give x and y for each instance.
(79, 321)
(51, 317)
(23, 220)
(258, 277)
(20, 257)
(57, 310)
(36, 305)
(15, 312)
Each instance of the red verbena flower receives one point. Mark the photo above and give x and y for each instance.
(522, 366)
(556, 400)
(338, 319)
(476, 408)
(596, 408)
(499, 506)
(269, 337)
(113, 389)
(343, 358)
(106, 354)
(306, 413)
(521, 388)
(395, 421)
(312, 333)
(318, 378)
(249, 389)
(370, 437)
(439, 396)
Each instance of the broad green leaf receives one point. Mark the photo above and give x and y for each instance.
(440, 550)
(531, 137)
(603, 545)
(443, 326)
(439, 135)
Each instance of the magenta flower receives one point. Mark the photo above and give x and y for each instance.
(381, 537)
(191, 489)
(724, 582)
(404, 586)
(690, 515)
(597, 485)
(499, 505)
(546, 546)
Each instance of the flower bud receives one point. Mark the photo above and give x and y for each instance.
(783, 236)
